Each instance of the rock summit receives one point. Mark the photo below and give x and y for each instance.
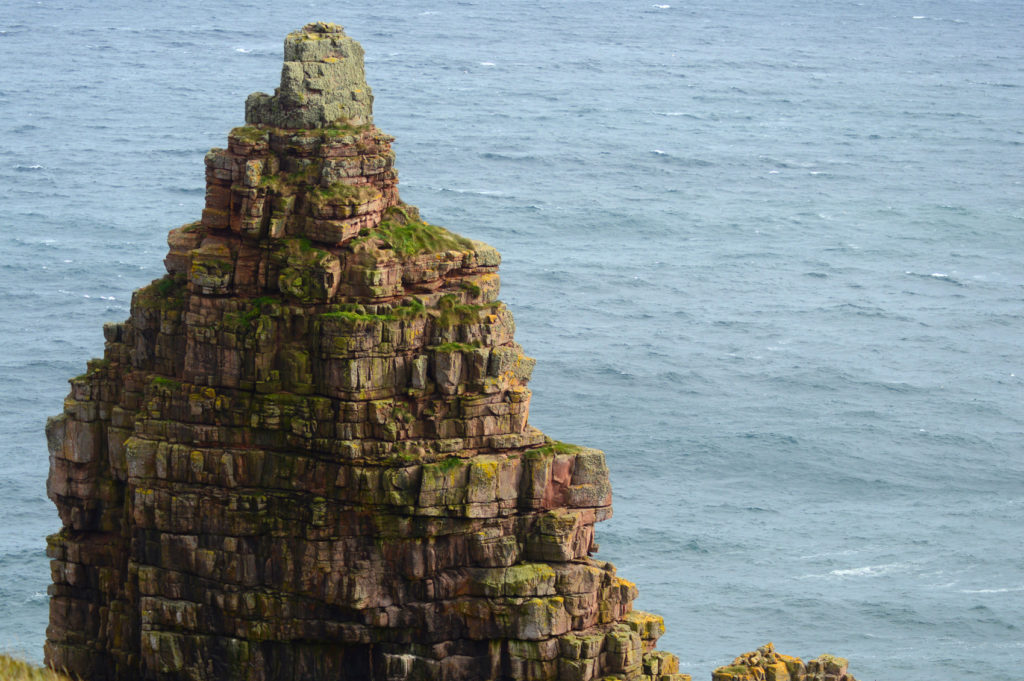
(322, 83)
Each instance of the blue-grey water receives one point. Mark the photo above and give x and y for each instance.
(768, 253)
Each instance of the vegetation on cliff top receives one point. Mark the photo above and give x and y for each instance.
(419, 237)
(404, 231)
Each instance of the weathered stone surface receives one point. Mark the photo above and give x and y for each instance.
(306, 454)
(764, 664)
(322, 84)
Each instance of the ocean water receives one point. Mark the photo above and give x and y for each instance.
(767, 254)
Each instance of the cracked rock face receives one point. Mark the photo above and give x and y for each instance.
(322, 83)
(306, 454)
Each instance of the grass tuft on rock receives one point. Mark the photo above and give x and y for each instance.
(414, 238)
(17, 670)
(249, 133)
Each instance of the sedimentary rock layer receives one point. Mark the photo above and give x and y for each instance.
(306, 454)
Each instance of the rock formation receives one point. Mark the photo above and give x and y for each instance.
(764, 664)
(306, 453)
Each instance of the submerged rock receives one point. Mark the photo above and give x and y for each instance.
(306, 454)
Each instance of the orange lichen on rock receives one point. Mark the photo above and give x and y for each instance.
(764, 664)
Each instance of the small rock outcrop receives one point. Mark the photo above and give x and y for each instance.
(306, 454)
(764, 664)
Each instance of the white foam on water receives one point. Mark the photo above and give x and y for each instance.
(864, 571)
(869, 570)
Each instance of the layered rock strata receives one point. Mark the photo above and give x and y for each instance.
(306, 454)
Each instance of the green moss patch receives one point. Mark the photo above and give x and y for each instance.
(167, 293)
(249, 133)
(403, 231)
(449, 464)
(420, 237)
(553, 447)
(351, 316)
(455, 347)
(352, 312)
(451, 312)
(343, 129)
(164, 382)
(257, 307)
(339, 194)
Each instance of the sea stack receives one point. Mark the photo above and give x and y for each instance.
(306, 454)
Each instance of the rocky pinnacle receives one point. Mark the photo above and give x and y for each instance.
(307, 455)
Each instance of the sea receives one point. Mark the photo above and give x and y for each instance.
(768, 254)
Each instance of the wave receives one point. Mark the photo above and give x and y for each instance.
(863, 571)
(828, 554)
(486, 193)
(869, 570)
(937, 276)
(685, 161)
(498, 156)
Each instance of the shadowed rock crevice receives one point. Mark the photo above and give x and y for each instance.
(306, 454)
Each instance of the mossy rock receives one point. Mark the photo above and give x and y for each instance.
(307, 274)
(408, 237)
(529, 579)
(250, 134)
(166, 293)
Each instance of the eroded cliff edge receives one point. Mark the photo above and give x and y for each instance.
(306, 454)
